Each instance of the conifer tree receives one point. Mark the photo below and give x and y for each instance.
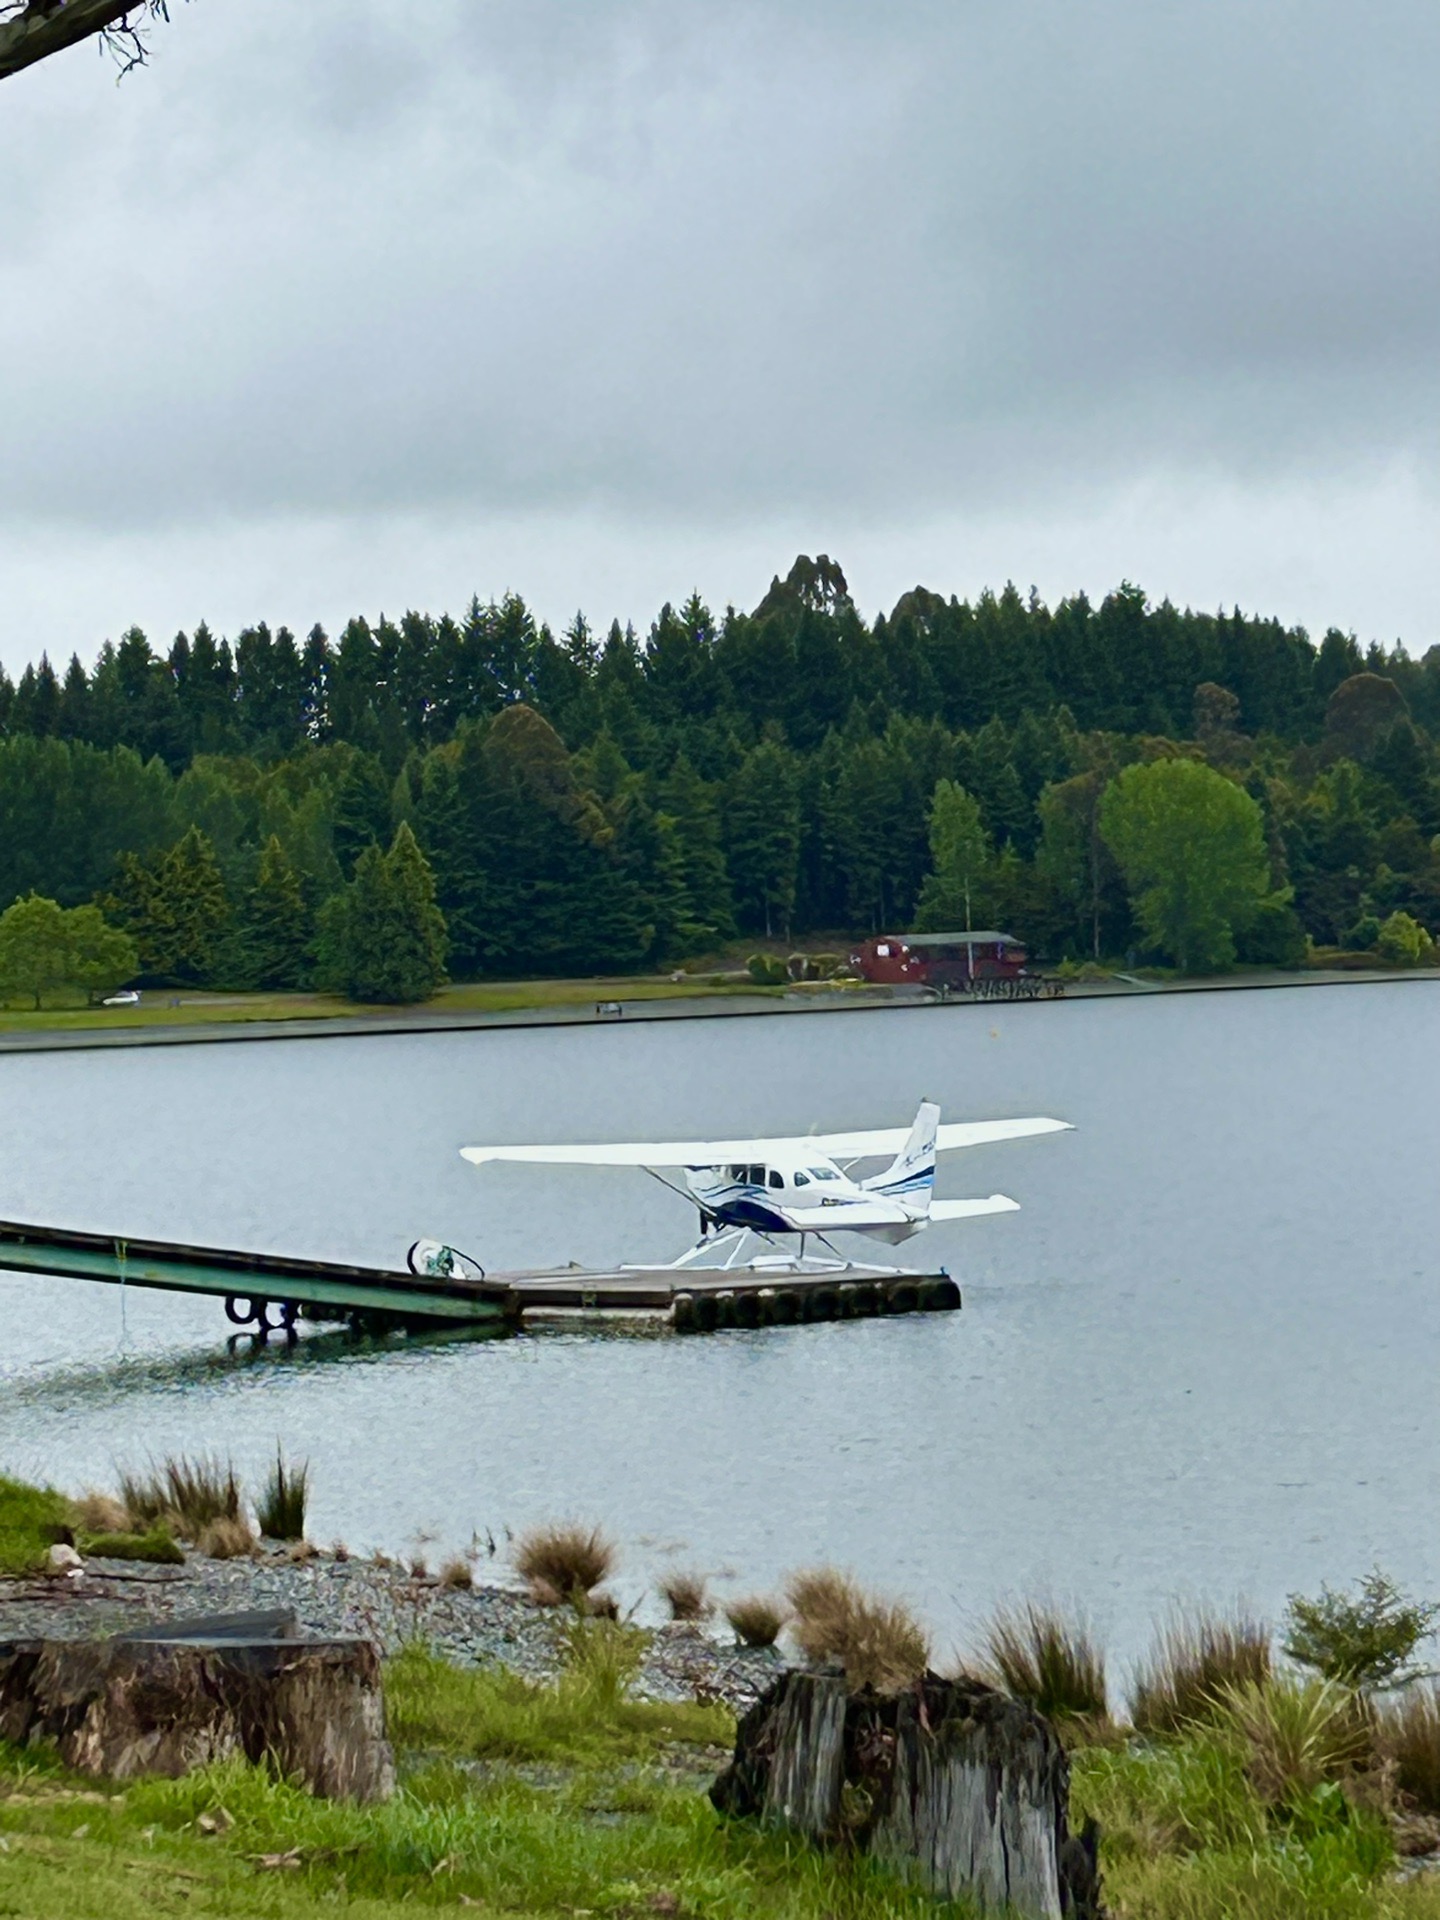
(383, 938)
(275, 931)
(177, 910)
(762, 838)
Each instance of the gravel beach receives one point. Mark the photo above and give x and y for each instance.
(384, 1603)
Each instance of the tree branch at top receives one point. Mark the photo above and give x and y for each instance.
(34, 31)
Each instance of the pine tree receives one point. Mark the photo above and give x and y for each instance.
(275, 930)
(762, 838)
(362, 810)
(697, 861)
(177, 910)
(383, 938)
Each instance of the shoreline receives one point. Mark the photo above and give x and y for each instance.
(480, 1625)
(699, 1006)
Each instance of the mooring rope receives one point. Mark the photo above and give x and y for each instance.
(124, 1317)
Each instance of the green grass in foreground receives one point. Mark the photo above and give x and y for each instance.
(1185, 1836)
(615, 1824)
(572, 1798)
(29, 1519)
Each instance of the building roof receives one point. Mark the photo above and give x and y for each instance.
(976, 937)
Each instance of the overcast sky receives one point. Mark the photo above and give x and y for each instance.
(345, 306)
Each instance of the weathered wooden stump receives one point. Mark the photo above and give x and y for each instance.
(950, 1782)
(172, 1698)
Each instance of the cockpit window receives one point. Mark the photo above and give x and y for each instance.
(823, 1173)
(802, 1179)
(776, 1179)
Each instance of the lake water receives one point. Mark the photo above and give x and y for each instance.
(1201, 1362)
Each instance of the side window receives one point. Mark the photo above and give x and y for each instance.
(802, 1179)
(776, 1179)
(756, 1176)
(882, 952)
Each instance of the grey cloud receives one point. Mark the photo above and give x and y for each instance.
(716, 261)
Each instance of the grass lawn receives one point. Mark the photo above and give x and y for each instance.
(549, 1801)
(573, 1799)
(193, 1008)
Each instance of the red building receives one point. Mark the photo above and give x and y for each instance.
(952, 960)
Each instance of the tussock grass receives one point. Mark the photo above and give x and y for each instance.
(281, 1507)
(226, 1540)
(1187, 1836)
(756, 1620)
(102, 1513)
(32, 1519)
(563, 1561)
(1297, 1734)
(1052, 1663)
(183, 1494)
(878, 1642)
(686, 1596)
(1196, 1656)
(457, 1573)
(1407, 1737)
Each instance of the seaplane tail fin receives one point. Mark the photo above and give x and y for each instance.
(910, 1177)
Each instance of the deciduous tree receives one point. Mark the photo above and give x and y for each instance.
(960, 853)
(1191, 845)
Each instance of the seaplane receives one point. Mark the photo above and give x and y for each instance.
(799, 1186)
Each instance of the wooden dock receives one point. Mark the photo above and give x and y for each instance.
(269, 1293)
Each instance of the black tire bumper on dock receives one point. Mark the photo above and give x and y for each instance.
(710, 1309)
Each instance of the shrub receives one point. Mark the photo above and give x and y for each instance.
(183, 1494)
(32, 1519)
(878, 1642)
(1194, 1657)
(102, 1513)
(685, 1595)
(1364, 934)
(563, 1561)
(766, 969)
(1297, 1733)
(1407, 1736)
(157, 1545)
(282, 1506)
(1364, 1640)
(1404, 942)
(456, 1573)
(226, 1540)
(755, 1620)
(1053, 1664)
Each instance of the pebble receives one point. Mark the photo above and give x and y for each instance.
(384, 1603)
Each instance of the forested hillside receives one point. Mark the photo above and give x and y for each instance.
(591, 802)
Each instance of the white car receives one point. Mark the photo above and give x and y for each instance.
(128, 997)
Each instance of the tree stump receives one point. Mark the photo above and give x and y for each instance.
(175, 1698)
(951, 1783)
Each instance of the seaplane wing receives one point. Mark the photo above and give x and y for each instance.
(875, 1142)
